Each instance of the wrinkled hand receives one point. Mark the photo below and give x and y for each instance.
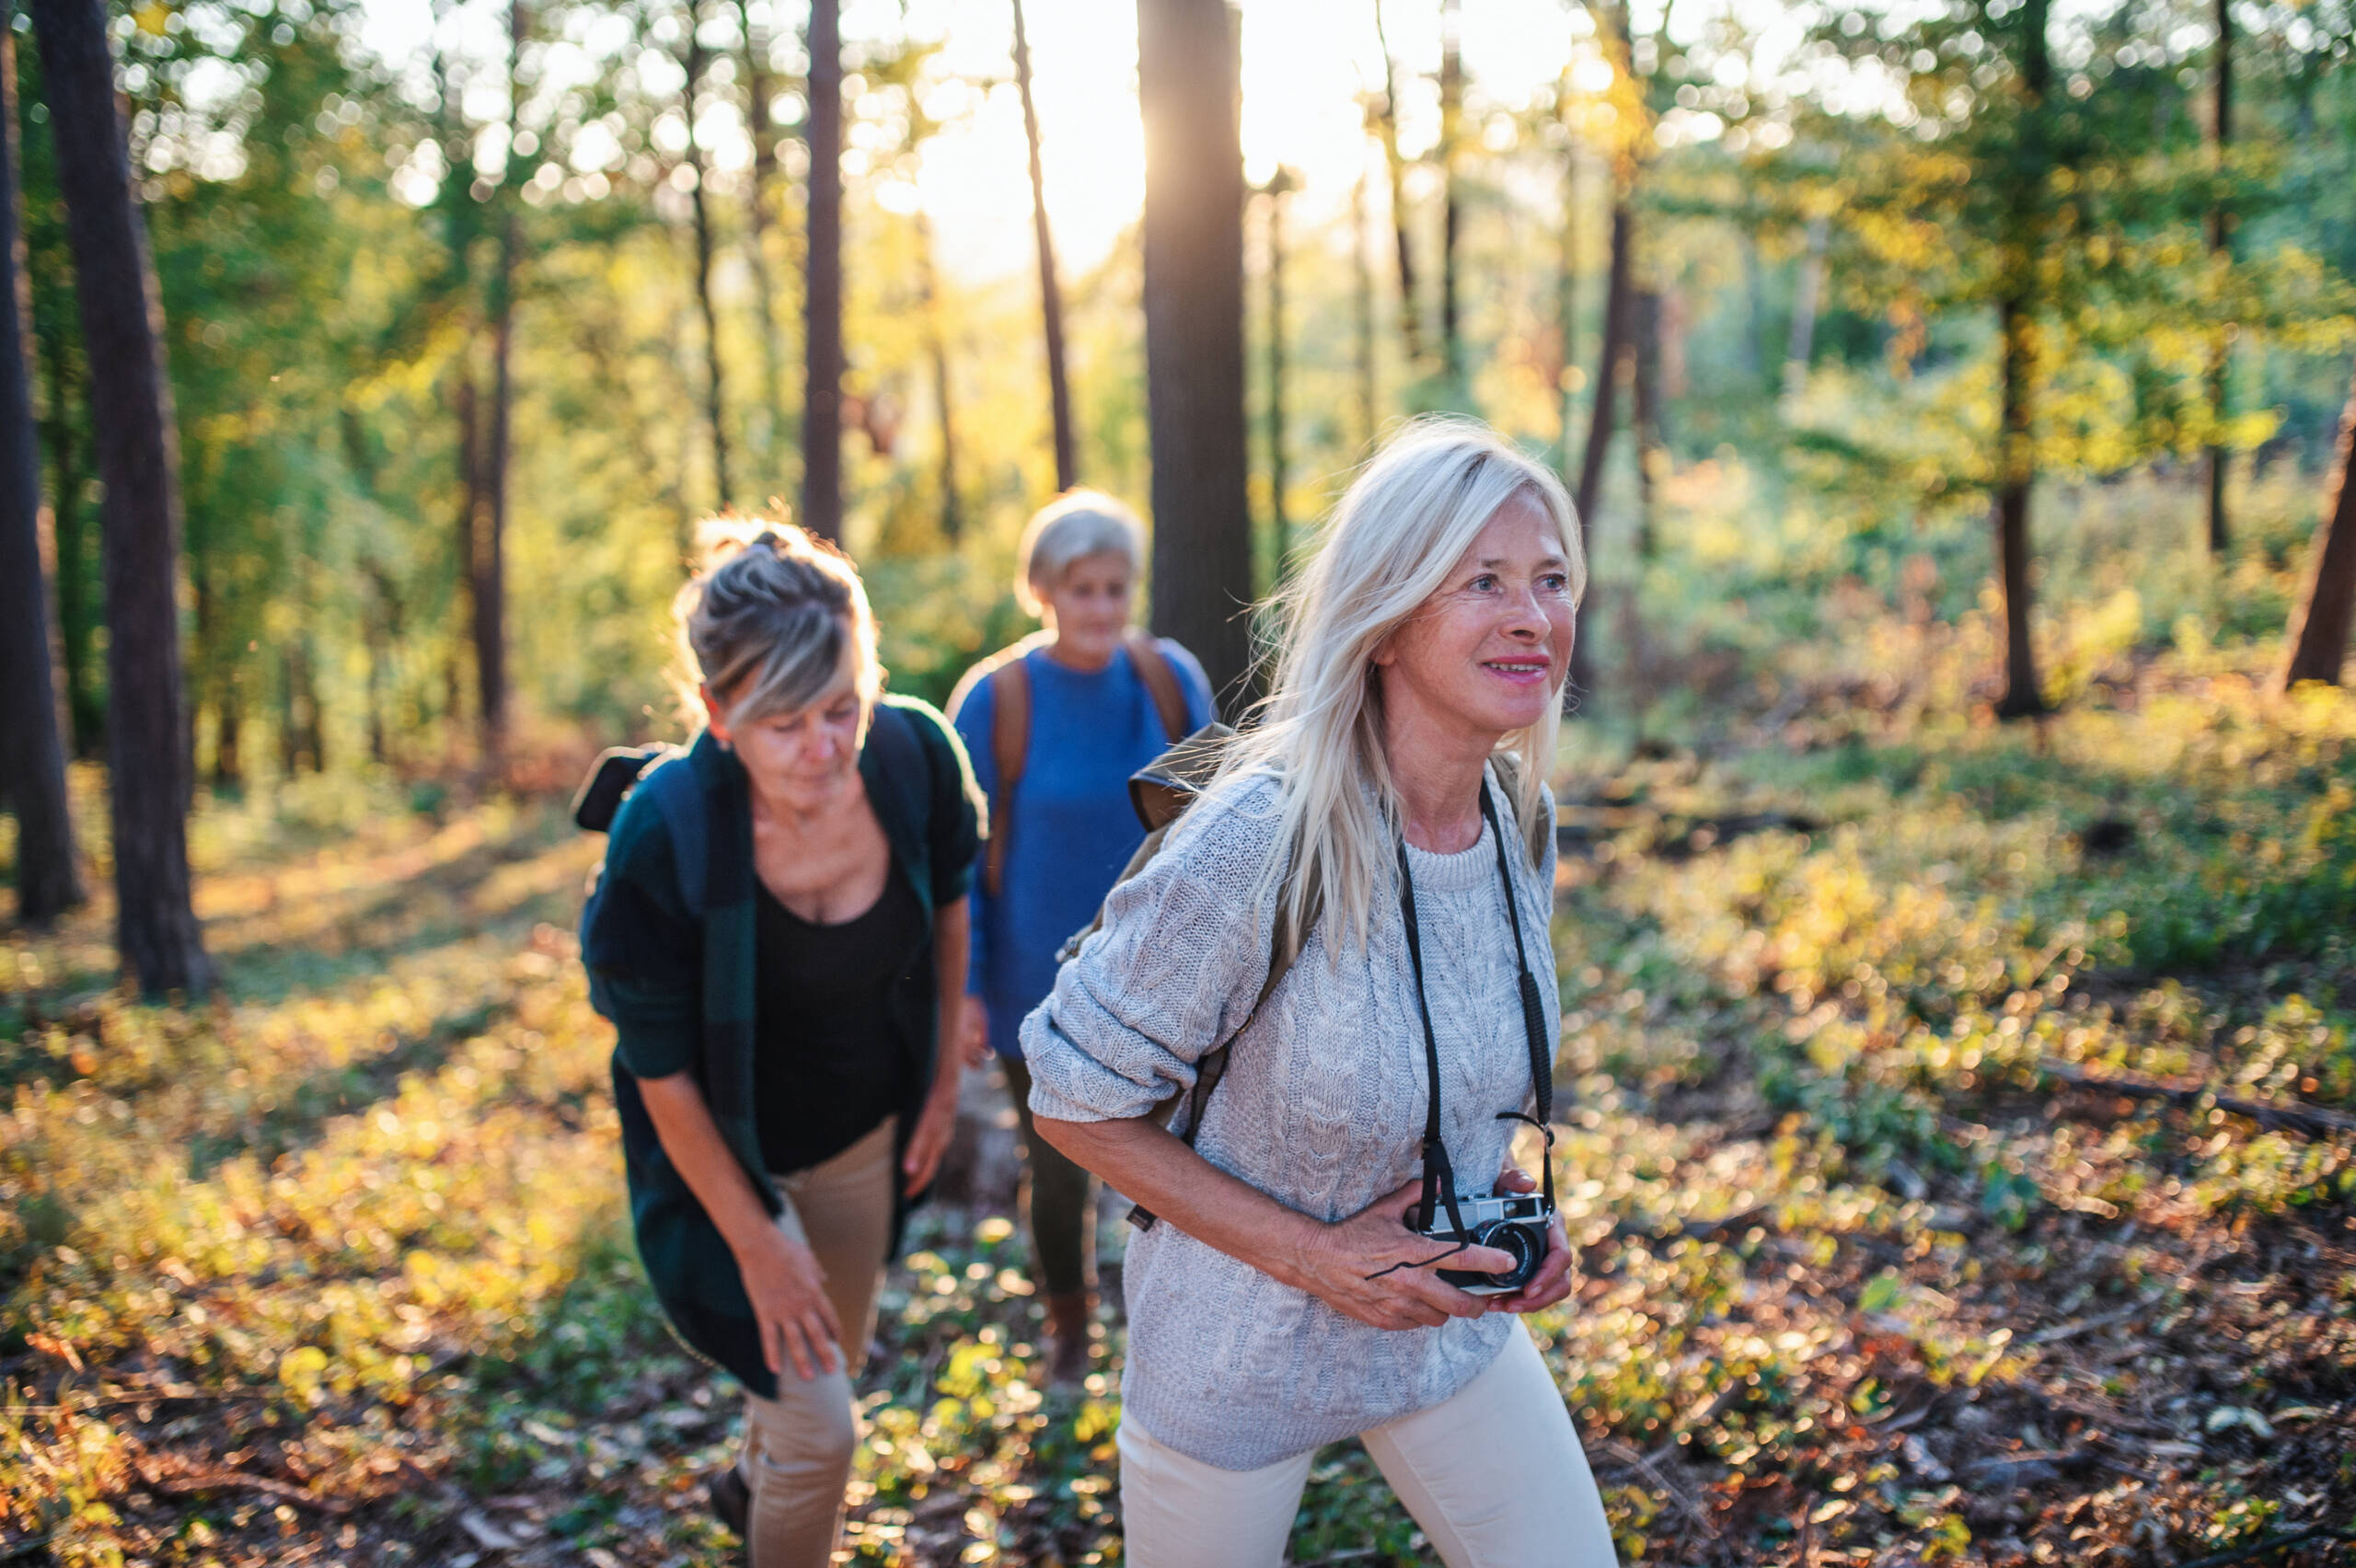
(788, 1290)
(1553, 1280)
(930, 1139)
(1345, 1266)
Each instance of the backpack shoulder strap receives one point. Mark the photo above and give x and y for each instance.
(1160, 681)
(1010, 683)
(678, 794)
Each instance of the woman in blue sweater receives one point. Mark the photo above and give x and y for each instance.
(1056, 724)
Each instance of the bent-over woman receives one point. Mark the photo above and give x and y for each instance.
(1281, 1301)
(1056, 724)
(781, 919)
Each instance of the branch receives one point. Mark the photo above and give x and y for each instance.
(2312, 1121)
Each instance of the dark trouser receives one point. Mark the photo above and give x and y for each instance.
(1057, 1202)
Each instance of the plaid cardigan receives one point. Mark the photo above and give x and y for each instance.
(669, 946)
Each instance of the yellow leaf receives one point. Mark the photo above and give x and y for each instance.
(153, 17)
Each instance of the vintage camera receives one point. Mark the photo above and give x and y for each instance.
(1514, 1223)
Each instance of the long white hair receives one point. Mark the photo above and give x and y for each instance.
(1396, 533)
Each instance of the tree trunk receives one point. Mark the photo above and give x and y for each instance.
(952, 515)
(2017, 412)
(1645, 387)
(1278, 187)
(2319, 630)
(1051, 297)
(756, 115)
(716, 404)
(490, 578)
(1754, 312)
(2021, 698)
(1567, 290)
(821, 399)
(1600, 418)
(122, 317)
(1452, 134)
(228, 752)
(2221, 244)
(32, 750)
(1187, 89)
(1411, 319)
(1806, 297)
(1362, 316)
(79, 594)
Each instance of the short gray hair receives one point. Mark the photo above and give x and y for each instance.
(1075, 525)
(773, 619)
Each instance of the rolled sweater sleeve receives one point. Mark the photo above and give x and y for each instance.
(1175, 971)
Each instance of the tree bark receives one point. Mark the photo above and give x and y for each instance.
(953, 514)
(822, 399)
(1362, 317)
(716, 403)
(1278, 187)
(2221, 244)
(1601, 413)
(1188, 91)
(490, 576)
(78, 594)
(1451, 135)
(1411, 317)
(32, 749)
(756, 116)
(121, 317)
(1645, 387)
(1051, 297)
(2016, 460)
(2319, 629)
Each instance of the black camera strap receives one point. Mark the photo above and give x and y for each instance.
(1439, 1177)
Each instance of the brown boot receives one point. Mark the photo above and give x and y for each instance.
(1069, 1317)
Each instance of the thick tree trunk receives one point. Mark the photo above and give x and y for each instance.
(2319, 629)
(953, 514)
(821, 399)
(756, 115)
(1451, 135)
(716, 397)
(1051, 296)
(1187, 88)
(139, 460)
(1411, 317)
(2016, 477)
(32, 749)
(2221, 243)
(78, 592)
(1601, 413)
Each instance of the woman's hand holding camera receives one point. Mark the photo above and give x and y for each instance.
(788, 1291)
(1372, 1267)
(1553, 1280)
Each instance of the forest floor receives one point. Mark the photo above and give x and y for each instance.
(1915, 1223)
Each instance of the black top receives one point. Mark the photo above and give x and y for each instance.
(828, 1066)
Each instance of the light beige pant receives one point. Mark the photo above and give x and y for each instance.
(1495, 1477)
(798, 1447)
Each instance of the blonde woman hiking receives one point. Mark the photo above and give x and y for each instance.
(780, 919)
(1343, 1245)
(1056, 724)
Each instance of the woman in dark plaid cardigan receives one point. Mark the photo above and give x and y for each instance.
(779, 935)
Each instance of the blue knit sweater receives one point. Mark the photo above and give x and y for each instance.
(1072, 824)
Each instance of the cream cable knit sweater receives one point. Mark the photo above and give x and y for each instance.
(1321, 1108)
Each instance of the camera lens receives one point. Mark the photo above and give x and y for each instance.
(1521, 1244)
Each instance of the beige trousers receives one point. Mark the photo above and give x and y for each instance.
(1495, 1477)
(798, 1447)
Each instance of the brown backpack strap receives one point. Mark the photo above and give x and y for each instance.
(1161, 682)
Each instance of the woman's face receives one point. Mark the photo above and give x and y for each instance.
(804, 758)
(1089, 610)
(1487, 652)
